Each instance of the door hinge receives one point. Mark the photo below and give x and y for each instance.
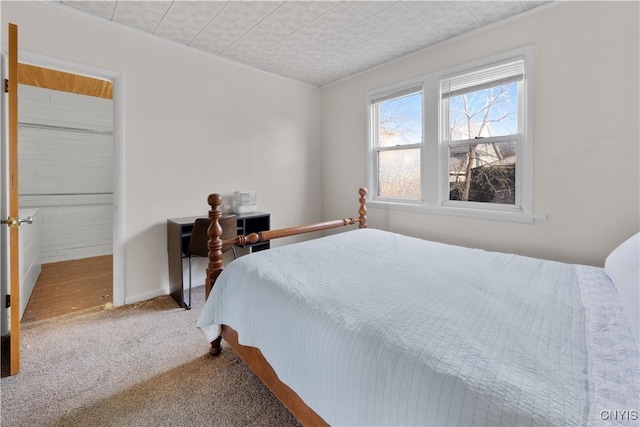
(7, 301)
(6, 85)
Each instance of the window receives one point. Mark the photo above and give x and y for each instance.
(397, 143)
(481, 133)
(458, 141)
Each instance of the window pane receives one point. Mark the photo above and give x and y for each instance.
(483, 173)
(399, 173)
(484, 113)
(400, 121)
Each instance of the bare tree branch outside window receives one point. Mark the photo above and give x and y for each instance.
(483, 172)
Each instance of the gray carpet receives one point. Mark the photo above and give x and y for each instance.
(138, 365)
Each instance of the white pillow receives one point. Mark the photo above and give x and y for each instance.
(623, 268)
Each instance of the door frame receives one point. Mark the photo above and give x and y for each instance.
(118, 80)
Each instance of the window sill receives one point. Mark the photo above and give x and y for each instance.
(505, 216)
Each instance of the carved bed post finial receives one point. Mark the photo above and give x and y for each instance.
(214, 267)
(363, 208)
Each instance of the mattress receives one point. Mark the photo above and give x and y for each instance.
(375, 328)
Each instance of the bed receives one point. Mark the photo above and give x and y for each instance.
(368, 327)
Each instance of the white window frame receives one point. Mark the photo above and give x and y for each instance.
(374, 148)
(435, 154)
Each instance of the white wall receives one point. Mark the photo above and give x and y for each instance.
(586, 133)
(185, 111)
(30, 259)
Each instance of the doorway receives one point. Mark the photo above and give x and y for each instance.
(66, 157)
(116, 82)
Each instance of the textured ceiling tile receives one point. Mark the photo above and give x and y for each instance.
(422, 7)
(285, 20)
(279, 52)
(368, 8)
(247, 47)
(231, 23)
(271, 30)
(526, 5)
(382, 47)
(253, 10)
(266, 32)
(339, 42)
(284, 50)
(289, 68)
(338, 61)
(487, 12)
(394, 15)
(362, 31)
(341, 17)
(316, 54)
(238, 53)
(216, 40)
(418, 30)
(355, 58)
(268, 61)
(364, 60)
(143, 15)
(451, 19)
(273, 56)
(185, 20)
(241, 15)
(413, 44)
(310, 35)
(343, 66)
(103, 9)
(315, 8)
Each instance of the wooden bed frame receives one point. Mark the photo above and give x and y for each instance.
(250, 355)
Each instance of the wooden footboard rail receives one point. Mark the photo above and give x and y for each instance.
(214, 268)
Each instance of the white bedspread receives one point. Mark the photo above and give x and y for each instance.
(376, 328)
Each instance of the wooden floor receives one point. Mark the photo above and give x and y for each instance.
(71, 286)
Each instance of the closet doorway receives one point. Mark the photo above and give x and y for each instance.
(66, 162)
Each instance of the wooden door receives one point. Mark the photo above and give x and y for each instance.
(13, 222)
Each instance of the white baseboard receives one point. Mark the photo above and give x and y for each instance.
(156, 293)
(146, 295)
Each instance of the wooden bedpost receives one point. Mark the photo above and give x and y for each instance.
(362, 219)
(214, 267)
